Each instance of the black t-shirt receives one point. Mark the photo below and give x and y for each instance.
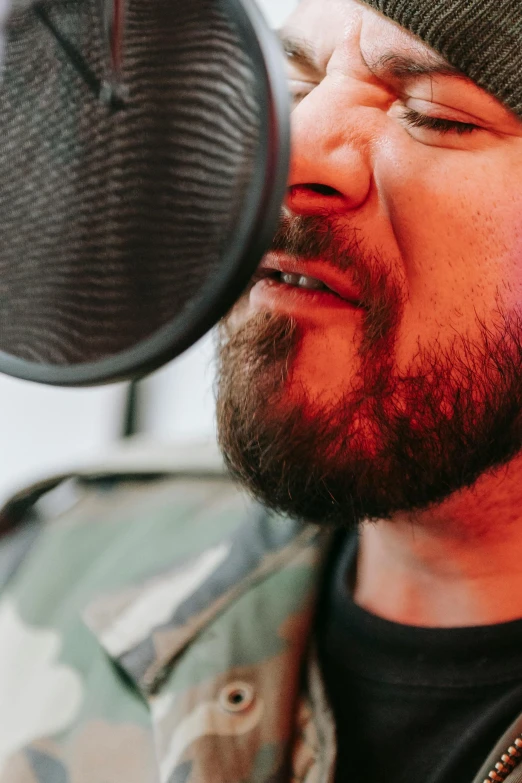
(414, 704)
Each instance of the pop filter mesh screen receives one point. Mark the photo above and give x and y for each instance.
(112, 222)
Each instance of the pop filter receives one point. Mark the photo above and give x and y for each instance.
(139, 187)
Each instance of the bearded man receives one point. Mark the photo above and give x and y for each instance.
(361, 621)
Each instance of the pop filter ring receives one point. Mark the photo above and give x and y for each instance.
(250, 239)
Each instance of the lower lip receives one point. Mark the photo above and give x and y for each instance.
(274, 295)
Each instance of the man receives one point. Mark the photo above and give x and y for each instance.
(172, 632)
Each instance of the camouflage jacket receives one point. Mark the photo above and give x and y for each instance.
(156, 632)
(160, 630)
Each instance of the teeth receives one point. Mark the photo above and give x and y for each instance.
(310, 282)
(301, 281)
(290, 279)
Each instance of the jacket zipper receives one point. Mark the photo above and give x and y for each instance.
(508, 761)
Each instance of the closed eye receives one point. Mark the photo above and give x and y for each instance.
(417, 120)
(299, 90)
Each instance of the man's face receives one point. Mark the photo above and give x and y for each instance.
(405, 383)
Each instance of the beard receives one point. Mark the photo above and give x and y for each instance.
(394, 442)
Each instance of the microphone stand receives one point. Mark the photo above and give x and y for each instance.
(131, 422)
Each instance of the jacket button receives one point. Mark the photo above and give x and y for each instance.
(237, 697)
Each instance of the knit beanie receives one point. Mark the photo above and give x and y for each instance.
(482, 38)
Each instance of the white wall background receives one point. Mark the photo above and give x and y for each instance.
(43, 430)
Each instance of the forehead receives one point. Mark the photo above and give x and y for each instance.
(342, 27)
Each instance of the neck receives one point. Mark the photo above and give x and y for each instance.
(459, 564)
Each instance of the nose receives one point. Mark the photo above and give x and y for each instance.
(330, 166)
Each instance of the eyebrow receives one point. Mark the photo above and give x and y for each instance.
(403, 66)
(390, 64)
(302, 54)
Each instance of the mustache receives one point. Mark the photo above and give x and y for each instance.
(314, 237)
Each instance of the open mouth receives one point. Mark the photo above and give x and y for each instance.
(301, 281)
(307, 283)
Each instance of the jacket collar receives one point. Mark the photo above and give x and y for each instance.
(136, 456)
(145, 626)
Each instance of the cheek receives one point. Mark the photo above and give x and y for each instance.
(460, 239)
